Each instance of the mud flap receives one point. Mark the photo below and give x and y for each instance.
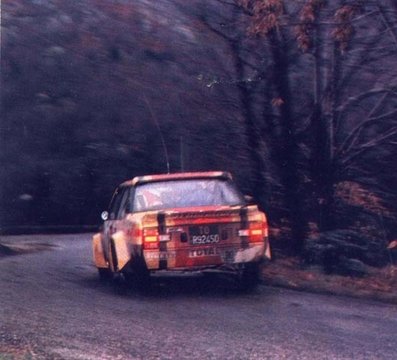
(250, 254)
(120, 254)
(268, 253)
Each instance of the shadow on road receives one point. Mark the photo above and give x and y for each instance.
(24, 248)
(172, 287)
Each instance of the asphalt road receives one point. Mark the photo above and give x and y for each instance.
(52, 306)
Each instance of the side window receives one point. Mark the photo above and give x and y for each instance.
(115, 203)
(130, 202)
(124, 203)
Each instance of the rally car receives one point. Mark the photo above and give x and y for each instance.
(182, 223)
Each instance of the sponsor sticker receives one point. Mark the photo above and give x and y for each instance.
(203, 252)
(227, 255)
(160, 255)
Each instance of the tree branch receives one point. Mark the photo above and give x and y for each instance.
(355, 99)
(369, 145)
(387, 24)
(355, 134)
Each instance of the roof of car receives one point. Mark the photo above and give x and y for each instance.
(179, 176)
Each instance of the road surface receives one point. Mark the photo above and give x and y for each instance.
(52, 306)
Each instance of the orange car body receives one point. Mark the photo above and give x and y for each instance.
(186, 222)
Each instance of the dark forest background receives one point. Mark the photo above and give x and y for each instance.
(298, 99)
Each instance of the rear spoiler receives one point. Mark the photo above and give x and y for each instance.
(182, 176)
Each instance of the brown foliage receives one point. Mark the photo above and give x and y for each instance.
(343, 31)
(307, 18)
(265, 15)
(355, 194)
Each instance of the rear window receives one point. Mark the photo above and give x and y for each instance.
(186, 193)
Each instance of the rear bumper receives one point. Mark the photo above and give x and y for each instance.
(202, 271)
(204, 258)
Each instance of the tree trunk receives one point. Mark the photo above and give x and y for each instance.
(287, 150)
(251, 131)
(322, 126)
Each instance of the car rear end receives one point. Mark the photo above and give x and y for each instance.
(216, 238)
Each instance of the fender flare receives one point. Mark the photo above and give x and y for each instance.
(98, 253)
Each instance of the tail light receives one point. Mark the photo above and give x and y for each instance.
(256, 231)
(152, 239)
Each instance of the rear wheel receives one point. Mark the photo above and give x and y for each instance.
(249, 277)
(105, 275)
(117, 277)
(139, 279)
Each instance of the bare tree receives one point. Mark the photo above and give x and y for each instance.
(344, 107)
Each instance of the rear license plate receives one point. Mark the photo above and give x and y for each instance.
(204, 234)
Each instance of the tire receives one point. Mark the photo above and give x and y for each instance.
(139, 279)
(249, 277)
(105, 275)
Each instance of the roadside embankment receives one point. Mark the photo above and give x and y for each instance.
(379, 284)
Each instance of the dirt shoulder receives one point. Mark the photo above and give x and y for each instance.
(380, 284)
